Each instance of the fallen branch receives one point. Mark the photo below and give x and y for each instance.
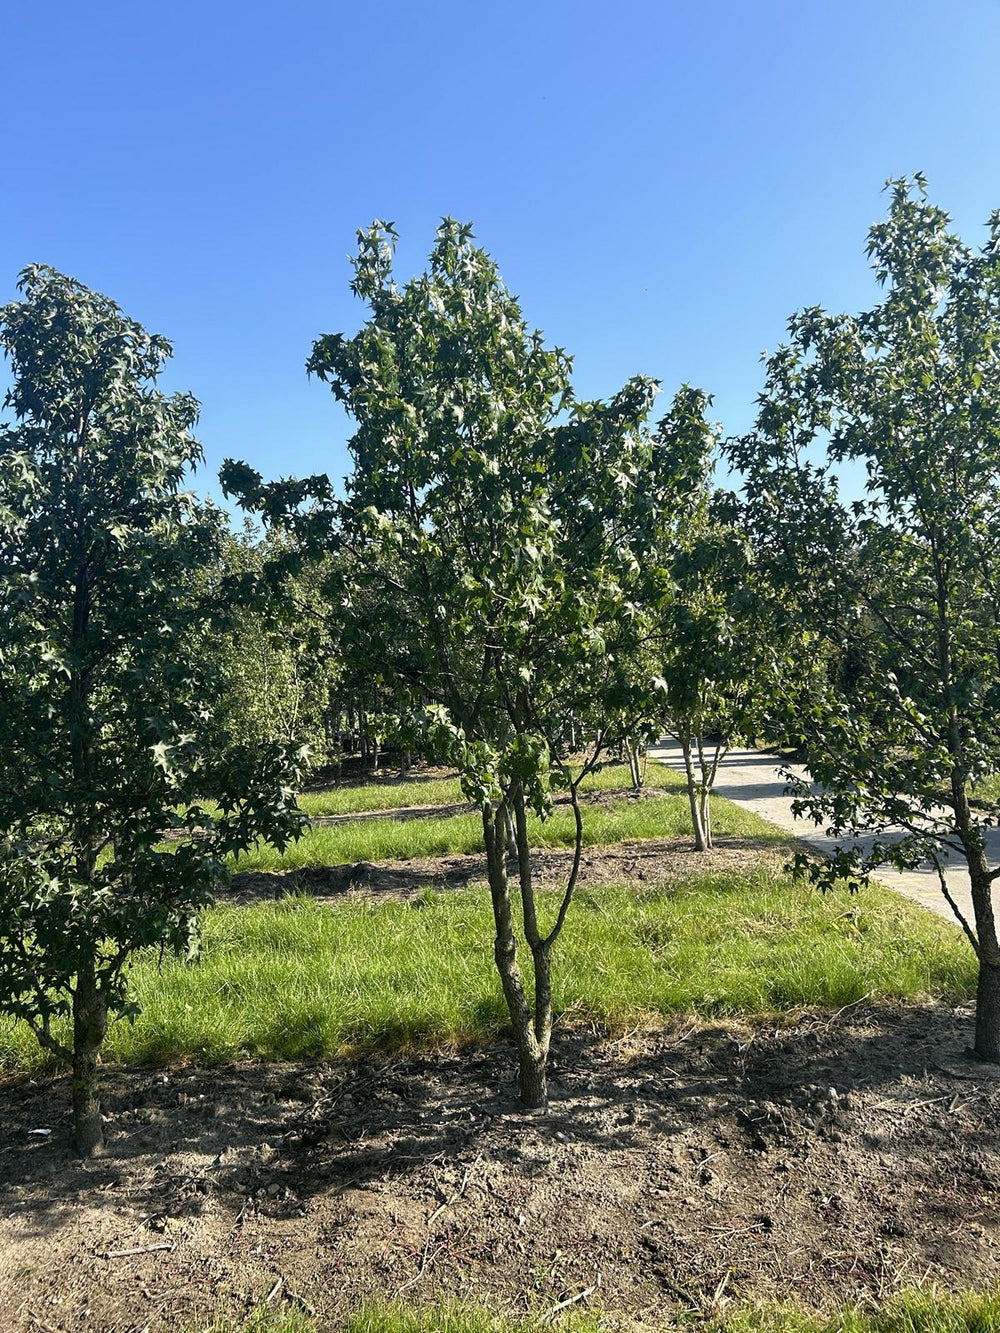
(457, 1195)
(572, 1300)
(142, 1249)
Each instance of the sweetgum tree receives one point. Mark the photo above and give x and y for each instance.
(492, 550)
(108, 731)
(718, 645)
(896, 592)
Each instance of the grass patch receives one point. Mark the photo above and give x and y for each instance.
(394, 1317)
(665, 816)
(396, 794)
(909, 1312)
(296, 980)
(986, 790)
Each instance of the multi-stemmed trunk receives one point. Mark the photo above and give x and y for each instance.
(700, 783)
(697, 799)
(634, 754)
(531, 1021)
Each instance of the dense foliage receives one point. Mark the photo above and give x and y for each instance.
(492, 551)
(897, 590)
(109, 737)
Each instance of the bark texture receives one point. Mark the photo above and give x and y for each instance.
(90, 1024)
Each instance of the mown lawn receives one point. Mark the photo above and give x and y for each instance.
(393, 794)
(452, 835)
(917, 1311)
(296, 979)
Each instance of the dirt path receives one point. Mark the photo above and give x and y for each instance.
(835, 1158)
(751, 779)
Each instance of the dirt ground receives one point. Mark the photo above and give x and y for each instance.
(656, 860)
(824, 1160)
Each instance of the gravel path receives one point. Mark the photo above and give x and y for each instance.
(751, 779)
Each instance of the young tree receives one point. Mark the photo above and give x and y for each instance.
(109, 737)
(897, 590)
(495, 533)
(718, 645)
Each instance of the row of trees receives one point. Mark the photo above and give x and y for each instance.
(516, 582)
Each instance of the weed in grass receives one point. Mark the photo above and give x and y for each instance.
(296, 979)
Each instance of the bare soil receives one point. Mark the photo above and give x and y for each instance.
(827, 1159)
(656, 860)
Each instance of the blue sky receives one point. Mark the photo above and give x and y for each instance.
(661, 183)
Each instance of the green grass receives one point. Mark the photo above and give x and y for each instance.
(909, 1312)
(987, 789)
(296, 979)
(392, 1317)
(417, 791)
(395, 840)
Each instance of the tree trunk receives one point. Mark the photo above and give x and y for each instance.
(988, 1013)
(533, 1084)
(532, 1056)
(511, 838)
(705, 810)
(987, 1039)
(634, 764)
(90, 1023)
(700, 843)
(704, 788)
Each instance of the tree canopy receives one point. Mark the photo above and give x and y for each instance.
(492, 548)
(110, 742)
(895, 591)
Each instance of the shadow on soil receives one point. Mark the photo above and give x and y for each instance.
(270, 1137)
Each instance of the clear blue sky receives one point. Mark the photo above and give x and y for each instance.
(661, 183)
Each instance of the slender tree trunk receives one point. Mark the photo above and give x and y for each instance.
(987, 1039)
(635, 769)
(700, 843)
(532, 1059)
(90, 1016)
(90, 1024)
(511, 836)
(705, 810)
(534, 1084)
(704, 790)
